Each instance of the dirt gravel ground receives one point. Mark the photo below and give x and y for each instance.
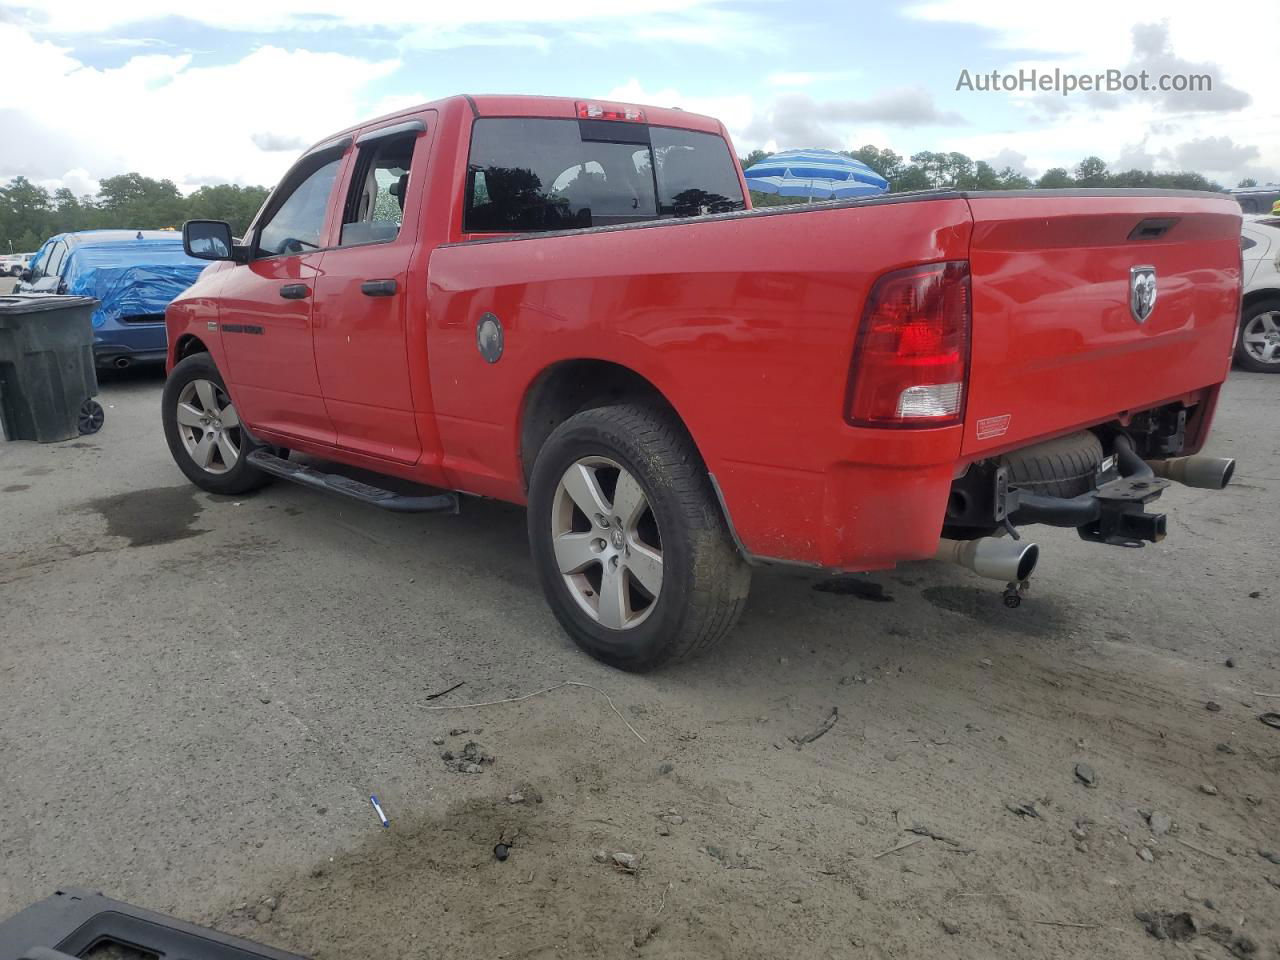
(198, 696)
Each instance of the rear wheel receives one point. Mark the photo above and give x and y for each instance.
(628, 540)
(203, 429)
(1258, 343)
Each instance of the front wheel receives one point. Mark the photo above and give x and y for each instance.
(1258, 342)
(203, 429)
(629, 543)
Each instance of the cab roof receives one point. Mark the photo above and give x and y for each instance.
(519, 105)
(95, 238)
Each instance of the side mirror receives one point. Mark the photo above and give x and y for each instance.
(25, 275)
(208, 240)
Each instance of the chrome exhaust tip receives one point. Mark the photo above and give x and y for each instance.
(1205, 473)
(122, 362)
(992, 557)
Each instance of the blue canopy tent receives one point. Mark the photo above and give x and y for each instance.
(816, 174)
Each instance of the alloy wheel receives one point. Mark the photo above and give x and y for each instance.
(1261, 337)
(209, 426)
(607, 544)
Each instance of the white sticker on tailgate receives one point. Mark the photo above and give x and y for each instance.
(989, 427)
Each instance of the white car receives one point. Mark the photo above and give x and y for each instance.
(1258, 346)
(12, 264)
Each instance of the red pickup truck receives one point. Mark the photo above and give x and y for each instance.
(571, 304)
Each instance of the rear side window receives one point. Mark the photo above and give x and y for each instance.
(296, 225)
(533, 174)
(53, 265)
(374, 209)
(696, 173)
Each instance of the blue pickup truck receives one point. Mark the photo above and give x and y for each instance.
(134, 274)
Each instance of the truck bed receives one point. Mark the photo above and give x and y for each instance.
(746, 322)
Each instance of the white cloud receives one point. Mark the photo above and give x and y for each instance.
(1097, 35)
(1015, 161)
(1215, 155)
(733, 111)
(163, 116)
(788, 78)
(799, 120)
(94, 16)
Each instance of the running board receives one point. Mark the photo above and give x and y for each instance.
(346, 487)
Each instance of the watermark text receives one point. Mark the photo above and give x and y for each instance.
(1057, 80)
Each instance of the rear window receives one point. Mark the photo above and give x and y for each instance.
(531, 174)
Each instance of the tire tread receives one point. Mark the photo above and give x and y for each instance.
(720, 576)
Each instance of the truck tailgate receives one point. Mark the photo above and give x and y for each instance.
(1056, 344)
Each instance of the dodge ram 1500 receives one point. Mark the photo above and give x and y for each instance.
(571, 305)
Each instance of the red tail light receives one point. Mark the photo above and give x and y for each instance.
(601, 111)
(912, 355)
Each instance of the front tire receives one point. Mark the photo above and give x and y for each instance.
(1258, 339)
(203, 429)
(629, 542)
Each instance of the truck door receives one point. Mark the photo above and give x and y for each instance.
(362, 295)
(266, 305)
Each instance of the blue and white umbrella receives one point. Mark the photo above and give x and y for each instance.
(822, 174)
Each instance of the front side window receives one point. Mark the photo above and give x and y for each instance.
(538, 174)
(374, 209)
(296, 225)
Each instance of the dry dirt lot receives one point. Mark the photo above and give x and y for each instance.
(198, 696)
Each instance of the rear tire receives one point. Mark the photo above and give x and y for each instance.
(1259, 335)
(679, 582)
(203, 429)
(1065, 467)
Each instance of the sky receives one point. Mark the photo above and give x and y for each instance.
(231, 92)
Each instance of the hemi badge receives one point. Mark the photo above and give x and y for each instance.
(211, 325)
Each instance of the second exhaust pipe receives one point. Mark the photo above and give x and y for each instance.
(1206, 473)
(992, 557)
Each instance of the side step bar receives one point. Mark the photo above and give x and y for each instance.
(346, 487)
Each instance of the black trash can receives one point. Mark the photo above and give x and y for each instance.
(47, 376)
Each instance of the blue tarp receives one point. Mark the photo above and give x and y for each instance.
(131, 276)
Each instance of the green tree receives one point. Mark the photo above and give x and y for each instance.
(1055, 178)
(1247, 182)
(912, 177)
(884, 162)
(1011, 179)
(226, 201)
(1091, 172)
(755, 156)
(132, 200)
(25, 212)
(985, 177)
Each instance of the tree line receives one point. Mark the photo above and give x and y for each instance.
(30, 214)
(929, 170)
